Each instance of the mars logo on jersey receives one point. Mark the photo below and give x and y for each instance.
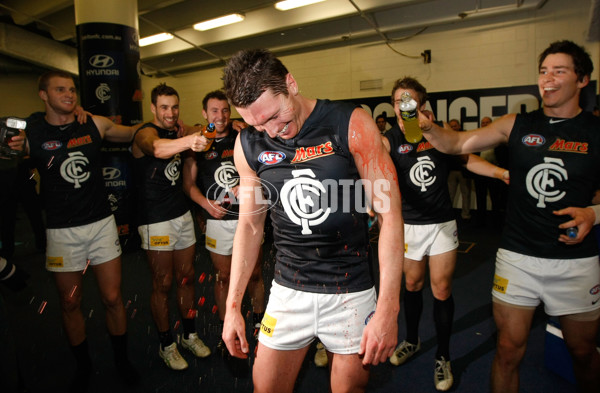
(312, 152)
(424, 146)
(569, 147)
(271, 157)
(82, 140)
(542, 179)
(533, 140)
(403, 149)
(301, 197)
(52, 145)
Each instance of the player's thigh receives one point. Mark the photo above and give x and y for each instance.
(280, 378)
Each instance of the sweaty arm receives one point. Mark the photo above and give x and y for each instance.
(148, 143)
(190, 174)
(482, 167)
(114, 132)
(449, 141)
(246, 246)
(376, 168)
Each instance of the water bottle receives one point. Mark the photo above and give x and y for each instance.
(410, 118)
(209, 132)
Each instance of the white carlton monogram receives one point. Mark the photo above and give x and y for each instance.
(541, 180)
(73, 169)
(172, 171)
(420, 173)
(301, 198)
(225, 176)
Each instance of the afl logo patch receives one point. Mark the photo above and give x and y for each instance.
(595, 290)
(211, 155)
(271, 157)
(533, 140)
(369, 317)
(403, 149)
(52, 145)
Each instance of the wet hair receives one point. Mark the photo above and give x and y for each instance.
(411, 83)
(581, 59)
(249, 73)
(162, 90)
(217, 94)
(44, 79)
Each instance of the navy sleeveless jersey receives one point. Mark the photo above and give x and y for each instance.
(217, 173)
(553, 164)
(319, 224)
(423, 179)
(68, 159)
(159, 185)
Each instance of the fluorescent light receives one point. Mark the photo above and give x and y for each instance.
(289, 4)
(156, 38)
(218, 22)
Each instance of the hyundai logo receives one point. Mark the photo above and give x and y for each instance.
(110, 173)
(101, 61)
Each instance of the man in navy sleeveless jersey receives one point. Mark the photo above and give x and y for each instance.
(81, 231)
(311, 162)
(554, 164)
(430, 230)
(211, 180)
(165, 224)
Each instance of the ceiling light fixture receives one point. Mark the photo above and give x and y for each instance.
(156, 38)
(218, 22)
(290, 4)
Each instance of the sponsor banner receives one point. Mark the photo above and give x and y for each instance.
(109, 71)
(110, 85)
(470, 106)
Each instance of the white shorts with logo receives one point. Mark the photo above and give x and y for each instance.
(565, 286)
(293, 319)
(219, 236)
(70, 249)
(175, 234)
(429, 239)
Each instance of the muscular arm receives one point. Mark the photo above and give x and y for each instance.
(114, 132)
(148, 143)
(452, 142)
(246, 245)
(478, 165)
(376, 167)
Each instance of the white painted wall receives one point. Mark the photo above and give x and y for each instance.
(494, 52)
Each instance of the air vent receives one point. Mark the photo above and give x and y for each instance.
(372, 84)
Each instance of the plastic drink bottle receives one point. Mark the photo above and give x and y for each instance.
(408, 112)
(209, 132)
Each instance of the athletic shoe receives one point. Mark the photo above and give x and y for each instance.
(403, 352)
(195, 345)
(442, 376)
(321, 359)
(172, 358)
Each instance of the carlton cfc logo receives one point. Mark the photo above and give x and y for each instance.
(533, 140)
(403, 149)
(271, 157)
